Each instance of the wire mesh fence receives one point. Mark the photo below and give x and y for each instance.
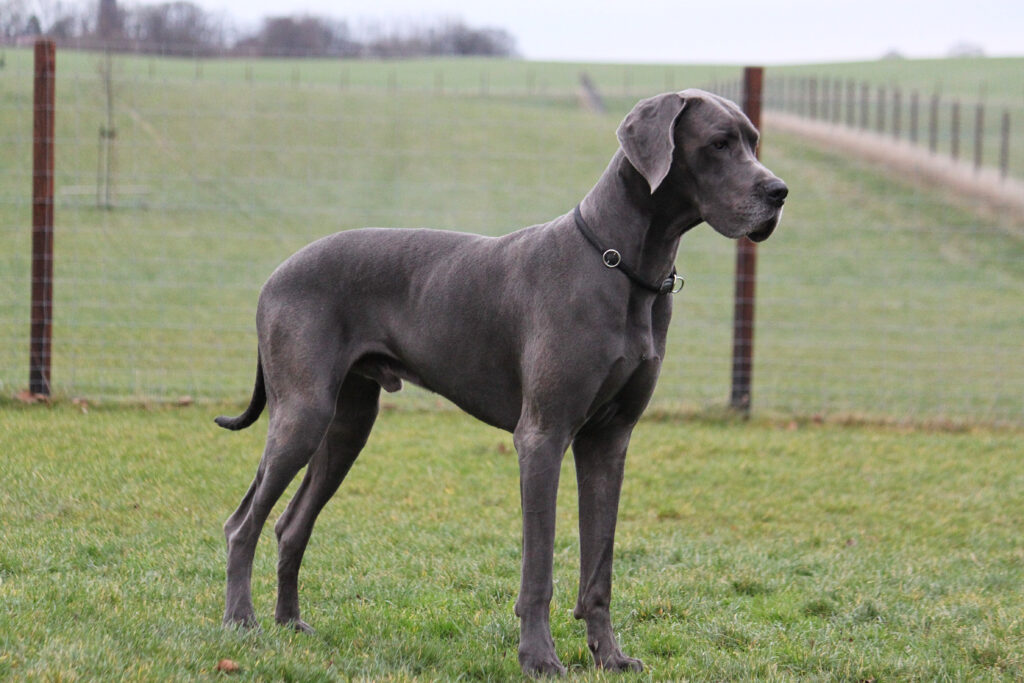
(971, 109)
(181, 184)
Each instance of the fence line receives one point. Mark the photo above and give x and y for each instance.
(873, 299)
(901, 156)
(854, 105)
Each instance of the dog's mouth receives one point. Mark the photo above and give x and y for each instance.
(757, 223)
(765, 231)
(775, 196)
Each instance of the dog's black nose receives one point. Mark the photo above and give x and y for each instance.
(775, 191)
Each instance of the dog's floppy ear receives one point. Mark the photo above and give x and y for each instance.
(647, 135)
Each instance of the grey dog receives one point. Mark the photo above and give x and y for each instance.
(555, 333)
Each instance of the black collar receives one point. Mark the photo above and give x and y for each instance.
(613, 259)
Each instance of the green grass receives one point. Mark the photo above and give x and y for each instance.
(761, 550)
(878, 297)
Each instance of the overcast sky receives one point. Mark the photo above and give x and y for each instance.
(681, 31)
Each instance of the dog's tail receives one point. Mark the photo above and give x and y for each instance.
(256, 404)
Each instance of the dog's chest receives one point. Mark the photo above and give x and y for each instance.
(638, 335)
(630, 371)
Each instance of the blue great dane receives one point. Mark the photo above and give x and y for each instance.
(555, 333)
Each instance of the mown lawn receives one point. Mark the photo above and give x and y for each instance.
(747, 550)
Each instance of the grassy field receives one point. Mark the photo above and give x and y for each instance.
(878, 297)
(760, 550)
(785, 548)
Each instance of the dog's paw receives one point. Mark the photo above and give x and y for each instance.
(242, 623)
(620, 662)
(541, 665)
(611, 658)
(298, 625)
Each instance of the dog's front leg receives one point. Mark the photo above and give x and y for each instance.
(600, 456)
(540, 459)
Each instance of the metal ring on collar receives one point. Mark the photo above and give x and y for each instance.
(677, 284)
(611, 258)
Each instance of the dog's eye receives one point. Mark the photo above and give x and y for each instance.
(720, 144)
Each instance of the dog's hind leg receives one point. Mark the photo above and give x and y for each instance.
(357, 407)
(297, 427)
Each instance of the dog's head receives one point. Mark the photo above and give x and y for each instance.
(703, 145)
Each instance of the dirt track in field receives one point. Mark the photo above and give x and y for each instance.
(903, 158)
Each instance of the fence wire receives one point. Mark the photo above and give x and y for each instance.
(180, 189)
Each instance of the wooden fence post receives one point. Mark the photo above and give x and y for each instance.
(1004, 146)
(897, 113)
(914, 115)
(40, 335)
(837, 100)
(880, 122)
(955, 132)
(979, 134)
(865, 100)
(933, 125)
(746, 272)
(851, 102)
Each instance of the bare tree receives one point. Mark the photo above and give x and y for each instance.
(21, 18)
(183, 28)
(14, 16)
(449, 38)
(300, 36)
(110, 21)
(174, 28)
(457, 39)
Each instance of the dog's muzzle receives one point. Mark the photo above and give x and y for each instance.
(773, 192)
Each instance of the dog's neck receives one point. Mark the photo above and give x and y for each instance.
(645, 228)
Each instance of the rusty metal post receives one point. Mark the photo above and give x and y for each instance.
(42, 218)
(746, 273)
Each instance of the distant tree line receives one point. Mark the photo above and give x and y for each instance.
(182, 28)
